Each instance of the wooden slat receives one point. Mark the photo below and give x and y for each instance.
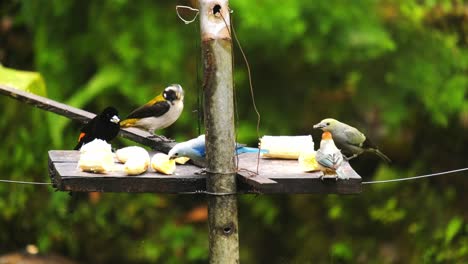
(289, 178)
(66, 176)
(276, 176)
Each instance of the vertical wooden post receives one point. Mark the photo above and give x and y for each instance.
(219, 123)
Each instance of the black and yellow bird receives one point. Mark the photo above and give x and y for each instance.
(104, 126)
(158, 113)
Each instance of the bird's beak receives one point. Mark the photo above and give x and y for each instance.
(115, 119)
(180, 95)
(319, 125)
(179, 91)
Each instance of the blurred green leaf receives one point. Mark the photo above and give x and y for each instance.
(24, 80)
(453, 227)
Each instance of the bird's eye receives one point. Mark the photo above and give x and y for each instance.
(328, 123)
(176, 154)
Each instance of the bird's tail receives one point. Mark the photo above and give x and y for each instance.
(249, 150)
(341, 173)
(381, 155)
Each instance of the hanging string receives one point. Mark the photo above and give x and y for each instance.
(252, 96)
(236, 108)
(250, 84)
(416, 177)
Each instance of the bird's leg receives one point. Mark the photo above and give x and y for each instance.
(160, 137)
(201, 172)
(350, 157)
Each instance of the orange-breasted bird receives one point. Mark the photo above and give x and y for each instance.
(350, 140)
(104, 126)
(158, 113)
(329, 157)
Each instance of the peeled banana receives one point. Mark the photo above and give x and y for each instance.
(96, 157)
(161, 163)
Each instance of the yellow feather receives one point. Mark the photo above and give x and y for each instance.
(128, 122)
(158, 98)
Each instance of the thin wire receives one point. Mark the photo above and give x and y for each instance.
(26, 182)
(236, 112)
(231, 193)
(221, 194)
(250, 83)
(416, 177)
(189, 8)
(252, 94)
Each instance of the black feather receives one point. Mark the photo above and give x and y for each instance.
(100, 127)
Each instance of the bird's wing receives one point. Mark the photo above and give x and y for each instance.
(353, 136)
(323, 159)
(198, 144)
(157, 109)
(332, 160)
(89, 126)
(200, 150)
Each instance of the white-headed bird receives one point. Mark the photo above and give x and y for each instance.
(350, 140)
(329, 157)
(158, 113)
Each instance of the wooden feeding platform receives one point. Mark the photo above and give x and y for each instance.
(275, 176)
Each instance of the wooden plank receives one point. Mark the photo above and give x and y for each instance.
(276, 176)
(82, 116)
(290, 178)
(66, 176)
(59, 156)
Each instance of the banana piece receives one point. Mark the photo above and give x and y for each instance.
(161, 163)
(136, 165)
(124, 154)
(181, 160)
(138, 162)
(285, 147)
(96, 157)
(307, 161)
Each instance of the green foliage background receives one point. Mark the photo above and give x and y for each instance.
(396, 69)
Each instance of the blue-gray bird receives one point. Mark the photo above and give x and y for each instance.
(348, 139)
(195, 150)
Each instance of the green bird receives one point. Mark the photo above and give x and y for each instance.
(348, 139)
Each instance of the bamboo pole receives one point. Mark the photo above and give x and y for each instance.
(219, 123)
